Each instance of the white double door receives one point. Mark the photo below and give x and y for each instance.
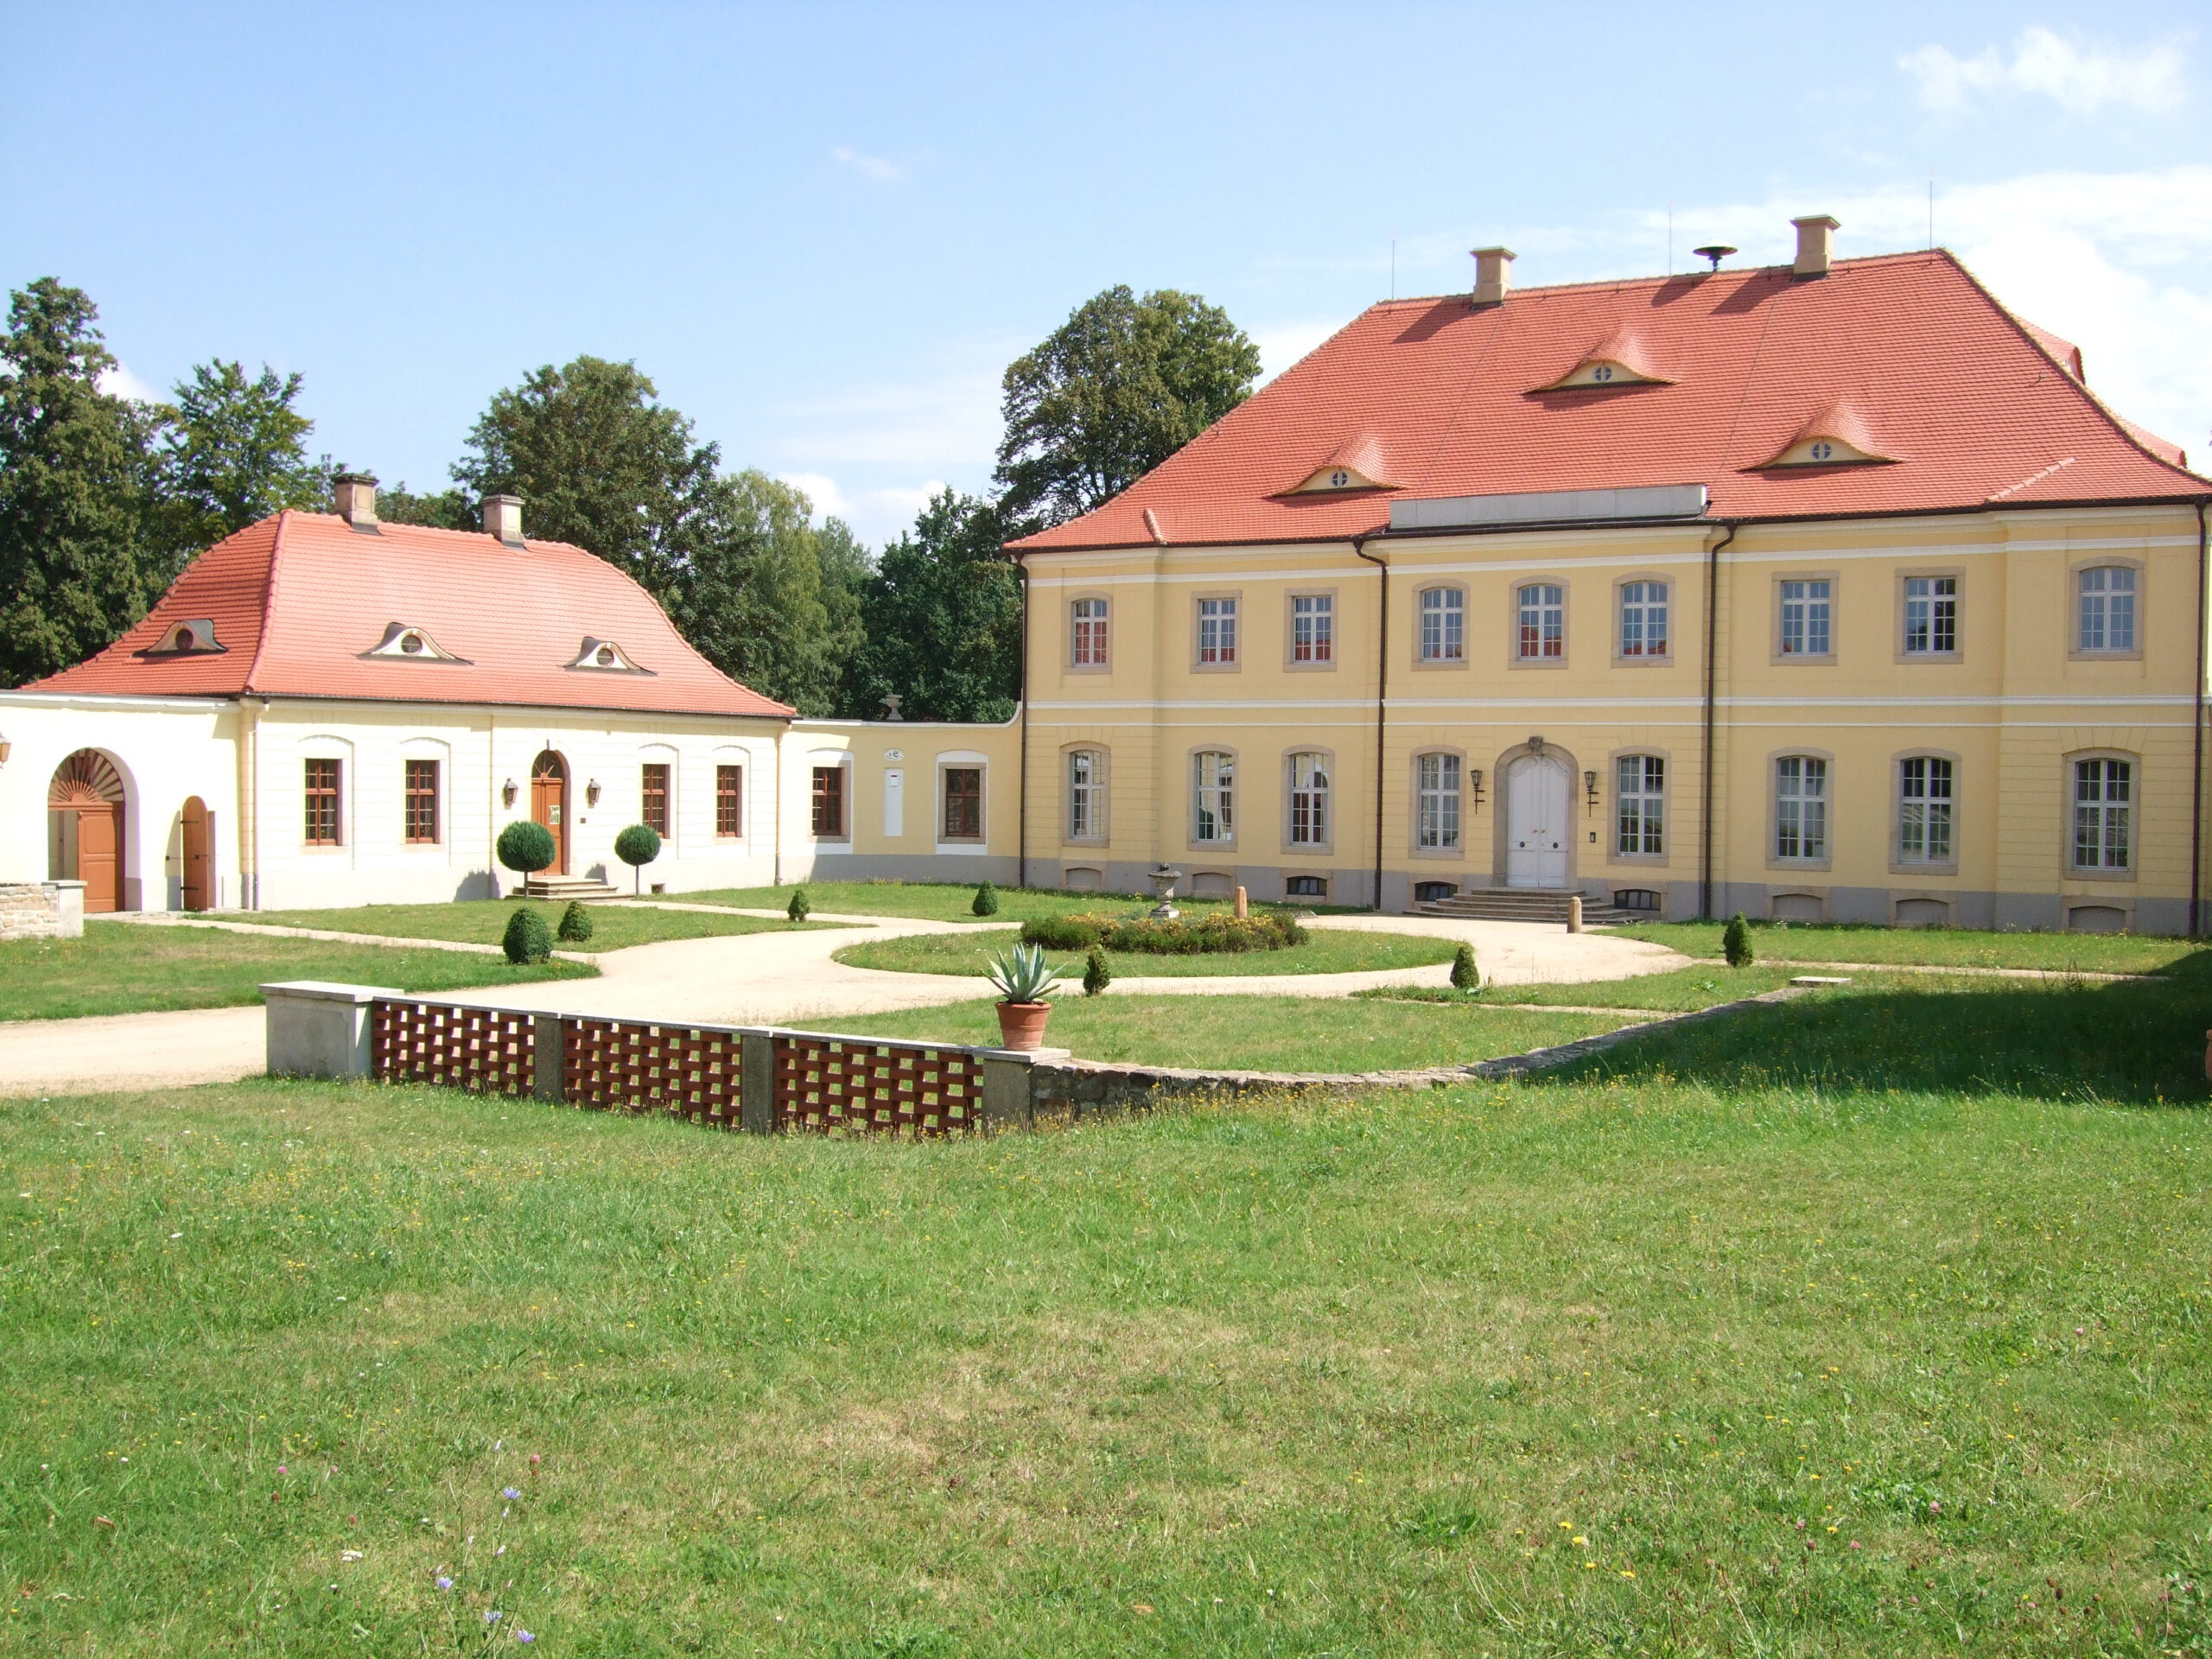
(1536, 824)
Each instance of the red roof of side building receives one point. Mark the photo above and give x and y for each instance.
(1975, 407)
(299, 601)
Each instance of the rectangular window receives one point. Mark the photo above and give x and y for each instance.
(829, 801)
(729, 801)
(1436, 802)
(322, 803)
(1309, 800)
(1213, 816)
(1543, 621)
(1640, 806)
(1218, 631)
(964, 803)
(1443, 626)
(2102, 803)
(1931, 615)
(1801, 807)
(2108, 609)
(1923, 811)
(1089, 628)
(652, 803)
(1312, 628)
(1805, 619)
(1643, 619)
(421, 800)
(1086, 797)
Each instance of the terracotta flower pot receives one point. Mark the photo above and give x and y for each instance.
(1021, 1025)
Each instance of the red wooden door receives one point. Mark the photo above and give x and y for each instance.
(199, 888)
(548, 804)
(86, 794)
(100, 857)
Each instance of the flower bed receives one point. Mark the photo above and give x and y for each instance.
(1206, 936)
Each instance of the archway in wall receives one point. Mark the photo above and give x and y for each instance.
(83, 828)
(549, 803)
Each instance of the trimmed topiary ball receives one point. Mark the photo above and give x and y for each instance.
(638, 846)
(798, 908)
(1736, 942)
(526, 847)
(528, 938)
(987, 900)
(575, 923)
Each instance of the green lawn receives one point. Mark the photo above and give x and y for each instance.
(1947, 947)
(1324, 952)
(943, 901)
(1678, 992)
(131, 968)
(1864, 1324)
(483, 921)
(1248, 1033)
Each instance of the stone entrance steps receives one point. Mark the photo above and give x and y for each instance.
(561, 888)
(1524, 904)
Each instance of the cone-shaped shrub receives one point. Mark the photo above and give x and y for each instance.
(1466, 975)
(798, 908)
(528, 938)
(987, 900)
(575, 924)
(1096, 976)
(1736, 942)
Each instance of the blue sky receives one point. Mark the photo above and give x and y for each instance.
(824, 230)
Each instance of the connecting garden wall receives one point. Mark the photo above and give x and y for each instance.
(42, 910)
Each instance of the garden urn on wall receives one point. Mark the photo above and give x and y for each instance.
(1024, 979)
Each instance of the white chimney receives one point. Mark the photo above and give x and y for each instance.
(1815, 238)
(1493, 275)
(503, 518)
(356, 494)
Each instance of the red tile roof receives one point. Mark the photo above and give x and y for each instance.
(297, 599)
(1978, 406)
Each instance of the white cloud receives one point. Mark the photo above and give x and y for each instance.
(877, 516)
(945, 421)
(119, 382)
(878, 167)
(2078, 78)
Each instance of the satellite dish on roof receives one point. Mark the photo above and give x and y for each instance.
(1715, 252)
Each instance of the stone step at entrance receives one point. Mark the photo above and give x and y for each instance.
(1525, 905)
(561, 888)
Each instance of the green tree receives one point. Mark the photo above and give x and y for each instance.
(439, 509)
(1120, 386)
(942, 617)
(74, 488)
(234, 450)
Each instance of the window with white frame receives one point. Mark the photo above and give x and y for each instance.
(2103, 800)
(1924, 804)
(1643, 619)
(1087, 632)
(1801, 807)
(1436, 802)
(1640, 806)
(1213, 796)
(2108, 609)
(1805, 617)
(1443, 626)
(1309, 800)
(1543, 621)
(1312, 627)
(1931, 615)
(1086, 795)
(1217, 632)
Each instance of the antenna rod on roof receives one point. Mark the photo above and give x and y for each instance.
(1393, 264)
(1670, 236)
(1931, 210)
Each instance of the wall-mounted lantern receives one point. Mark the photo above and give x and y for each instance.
(1474, 789)
(591, 793)
(508, 791)
(1590, 788)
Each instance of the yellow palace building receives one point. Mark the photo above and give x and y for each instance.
(1822, 591)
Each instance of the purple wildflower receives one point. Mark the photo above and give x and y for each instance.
(525, 1635)
(444, 1583)
(492, 1617)
(509, 1493)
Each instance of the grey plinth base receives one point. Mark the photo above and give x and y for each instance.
(320, 1030)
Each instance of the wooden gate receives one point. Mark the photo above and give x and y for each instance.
(198, 883)
(549, 803)
(83, 807)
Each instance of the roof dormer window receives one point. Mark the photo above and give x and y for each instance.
(195, 638)
(1355, 464)
(403, 642)
(1837, 437)
(1620, 359)
(1339, 478)
(605, 657)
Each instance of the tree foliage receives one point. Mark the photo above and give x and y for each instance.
(1111, 393)
(75, 488)
(526, 847)
(233, 451)
(942, 617)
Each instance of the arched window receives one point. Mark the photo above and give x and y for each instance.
(1640, 806)
(1309, 800)
(1925, 810)
(1801, 807)
(1543, 621)
(1443, 626)
(2104, 803)
(1213, 796)
(2108, 609)
(1436, 802)
(1088, 628)
(1086, 795)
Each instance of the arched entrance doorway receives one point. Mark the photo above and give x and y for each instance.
(1536, 822)
(83, 828)
(198, 883)
(549, 803)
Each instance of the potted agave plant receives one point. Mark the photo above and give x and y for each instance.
(1024, 979)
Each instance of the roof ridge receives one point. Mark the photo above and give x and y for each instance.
(1625, 282)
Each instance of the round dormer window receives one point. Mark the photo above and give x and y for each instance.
(1821, 450)
(183, 641)
(1337, 479)
(604, 656)
(1602, 373)
(411, 644)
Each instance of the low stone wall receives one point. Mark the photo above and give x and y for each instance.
(42, 910)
